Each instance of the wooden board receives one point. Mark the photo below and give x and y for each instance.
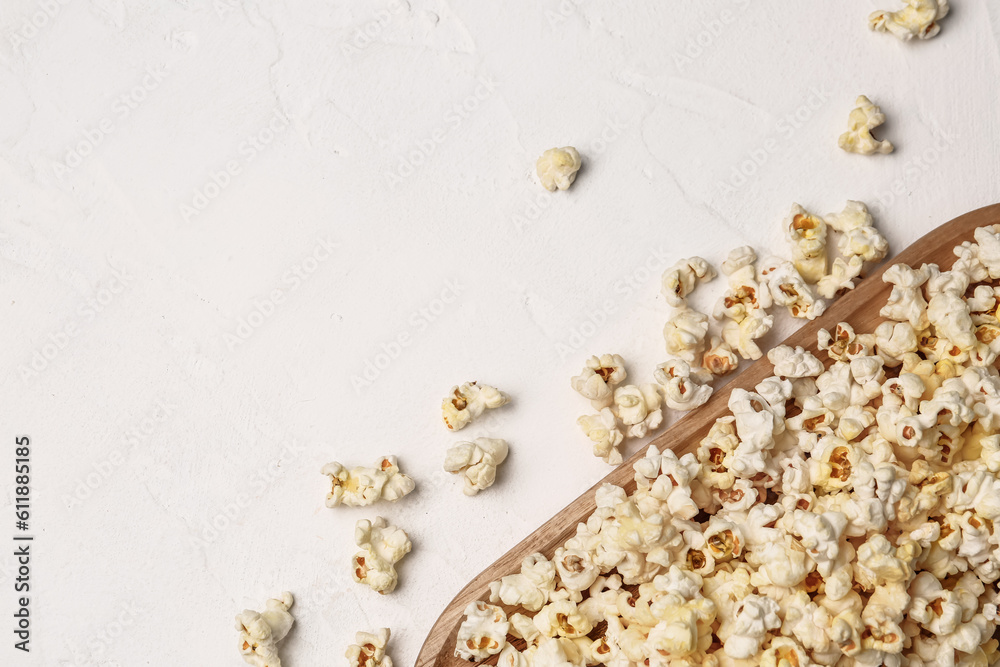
(859, 308)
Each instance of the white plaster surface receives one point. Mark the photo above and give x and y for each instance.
(172, 406)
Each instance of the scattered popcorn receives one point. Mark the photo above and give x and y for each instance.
(638, 408)
(261, 632)
(382, 546)
(369, 650)
(477, 461)
(842, 514)
(680, 279)
(807, 234)
(362, 486)
(468, 402)
(918, 19)
(599, 378)
(557, 168)
(864, 118)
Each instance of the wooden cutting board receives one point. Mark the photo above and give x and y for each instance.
(859, 308)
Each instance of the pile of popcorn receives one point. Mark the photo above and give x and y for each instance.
(743, 315)
(842, 514)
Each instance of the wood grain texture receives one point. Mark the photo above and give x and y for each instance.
(859, 308)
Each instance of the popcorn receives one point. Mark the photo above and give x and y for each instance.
(477, 462)
(683, 387)
(807, 234)
(756, 615)
(918, 19)
(745, 294)
(638, 408)
(362, 486)
(794, 362)
(863, 119)
(529, 589)
(680, 279)
(859, 243)
(599, 378)
(483, 632)
(906, 302)
(684, 334)
(382, 546)
(368, 650)
(603, 431)
(789, 289)
(261, 632)
(468, 402)
(720, 359)
(557, 168)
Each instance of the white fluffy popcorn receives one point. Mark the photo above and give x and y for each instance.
(260, 632)
(599, 378)
(840, 515)
(557, 168)
(807, 235)
(483, 632)
(362, 486)
(368, 649)
(382, 546)
(684, 334)
(468, 402)
(918, 19)
(864, 118)
(603, 430)
(477, 462)
(680, 279)
(789, 289)
(638, 408)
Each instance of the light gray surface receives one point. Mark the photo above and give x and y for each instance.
(126, 571)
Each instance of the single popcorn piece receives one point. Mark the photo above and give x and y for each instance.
(684, 334)
(680, 279)
(638, 408)
(362, 486)
(807, 234)
(864, 118)
(382, 546)
(789, 289)
(368, 650)
(483, 632)
(683, 387)
(468, 402)
(557, 168)
(603, 431)
(477, 461)
(599, 378)
(261, 632)
(918, 19)
(720, 359)
(794, 362)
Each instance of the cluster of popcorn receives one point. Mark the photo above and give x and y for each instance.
(475, 461)
(843, 513)
(699, 356)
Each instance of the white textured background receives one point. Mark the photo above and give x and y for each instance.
(200, 157)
